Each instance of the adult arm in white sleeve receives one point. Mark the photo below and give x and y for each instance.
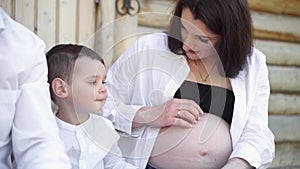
(35, 139)
(256, 144)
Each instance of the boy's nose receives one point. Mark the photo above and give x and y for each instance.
(102, 88)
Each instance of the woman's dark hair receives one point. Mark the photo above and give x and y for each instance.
(231, 19)
(61, 60)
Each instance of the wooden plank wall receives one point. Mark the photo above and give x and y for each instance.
(276, 29)
(56, 21)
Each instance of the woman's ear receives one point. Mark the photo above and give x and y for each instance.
(60, 88)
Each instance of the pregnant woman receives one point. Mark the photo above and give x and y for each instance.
(195, 96)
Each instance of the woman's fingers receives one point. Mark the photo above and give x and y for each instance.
(182, 123)
(179, 112)
(189, 106)
(186, 116)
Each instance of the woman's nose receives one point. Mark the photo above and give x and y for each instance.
(189, 43)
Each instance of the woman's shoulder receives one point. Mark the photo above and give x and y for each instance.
(154, 40)
(256, 57)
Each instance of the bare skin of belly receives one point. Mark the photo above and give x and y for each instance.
(207, 145)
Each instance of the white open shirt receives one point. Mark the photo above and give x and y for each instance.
(27, 124)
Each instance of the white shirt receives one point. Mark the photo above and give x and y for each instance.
(148, 74)
(92, 144)
(27, 124)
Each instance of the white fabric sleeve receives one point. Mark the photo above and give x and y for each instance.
(118, 107)
(35, 138)
(256, 144)
(114, 160)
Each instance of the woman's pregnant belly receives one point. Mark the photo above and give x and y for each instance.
(206, 145)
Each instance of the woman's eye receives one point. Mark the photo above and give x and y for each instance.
(203, 39)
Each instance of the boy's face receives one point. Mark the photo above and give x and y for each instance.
(88, 92)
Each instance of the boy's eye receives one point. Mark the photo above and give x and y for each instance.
(93, 82)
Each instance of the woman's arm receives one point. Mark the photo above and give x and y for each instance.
(237, 163)
(130, 82)
(256, 143)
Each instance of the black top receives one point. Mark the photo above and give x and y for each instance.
(212, 99)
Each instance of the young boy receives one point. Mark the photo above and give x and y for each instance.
(76, 74)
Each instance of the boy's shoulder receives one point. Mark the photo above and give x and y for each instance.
(98, 120)
(101, 131)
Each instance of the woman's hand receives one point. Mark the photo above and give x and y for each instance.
(237, 163)
(178, 112)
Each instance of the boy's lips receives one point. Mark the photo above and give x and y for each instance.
(100, 100)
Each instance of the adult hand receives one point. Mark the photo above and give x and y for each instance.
(178, 112)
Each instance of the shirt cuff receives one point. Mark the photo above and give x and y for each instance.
(124, 117)
(248, 153)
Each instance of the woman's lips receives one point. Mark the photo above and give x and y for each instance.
(191, 52)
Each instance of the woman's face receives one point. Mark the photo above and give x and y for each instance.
(198, 41)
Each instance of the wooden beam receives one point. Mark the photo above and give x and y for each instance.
(266, 25)
(283, 7)
(284, 104)
(154, 19)
(147, 30)
(278, 36)
(280, 53)
(285, 128)
(161, 6)
(284, 79)
(287, 155)
(155, 13)
(276, 27)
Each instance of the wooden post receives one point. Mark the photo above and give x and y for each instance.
(46, 22)
(8, 6)
(66, 21)
(86, 14)
(125, 33)
(105, 30)
(25, 13)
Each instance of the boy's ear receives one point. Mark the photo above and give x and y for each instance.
(60, 88)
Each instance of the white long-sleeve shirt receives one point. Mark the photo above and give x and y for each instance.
(149, 74)
(92, 144)
(27, 124)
